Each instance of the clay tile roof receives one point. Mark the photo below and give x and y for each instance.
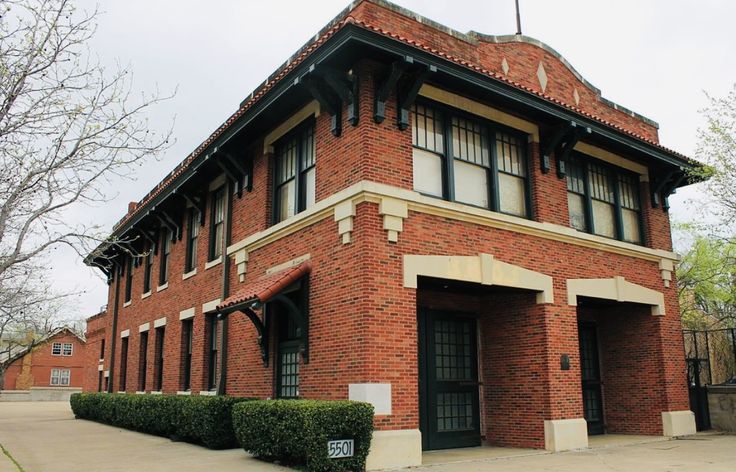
(267, 286)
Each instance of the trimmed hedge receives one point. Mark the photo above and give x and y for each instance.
(205, 420)
(296, 432)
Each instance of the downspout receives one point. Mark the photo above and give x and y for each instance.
(115, 308)
(221, 384)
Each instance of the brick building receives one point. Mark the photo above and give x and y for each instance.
(455, 227)
(58, 360)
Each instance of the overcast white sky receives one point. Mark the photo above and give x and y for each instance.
(656, 57)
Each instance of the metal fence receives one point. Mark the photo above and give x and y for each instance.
(713, 353)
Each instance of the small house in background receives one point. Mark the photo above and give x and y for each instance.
(49, 369)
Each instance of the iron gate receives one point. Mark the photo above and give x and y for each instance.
(711, 360)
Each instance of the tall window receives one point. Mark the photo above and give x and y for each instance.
(603, 199)
(148, 269)
(193, 223)
(187, 333)
(143, 362)
(212, 345)
(158, 367)
(295, 172)
(102, 349)
(163, 275)
(129, 278)
(463, 159)
(217, 223)
(60, 377)
(123, 364)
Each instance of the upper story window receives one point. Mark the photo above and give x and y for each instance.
(193, 223)
(217, 223)
(163, 275)
(62, 349)
(295, 172)
(148, 269)
(129, 279)
(467, 160)
(603, 200)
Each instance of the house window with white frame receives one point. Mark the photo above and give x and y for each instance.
(56, 349)
(60, 377)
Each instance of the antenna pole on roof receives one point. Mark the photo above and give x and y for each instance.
(518, 19)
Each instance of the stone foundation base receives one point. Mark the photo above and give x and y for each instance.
(563, 435)
(392, 449)
(678, 423)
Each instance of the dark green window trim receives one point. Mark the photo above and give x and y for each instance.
(129, 279)
(217, 223)
(143, 361)
(187, 340)
(163, 274)
(193, 224)
(158, 358)
(490, 132)
(148, 269)
(212, 343)
(301, 141)
(579, 165)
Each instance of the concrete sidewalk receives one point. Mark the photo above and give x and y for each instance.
(44, 436)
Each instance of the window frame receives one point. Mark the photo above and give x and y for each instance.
(148, 269)
(123, 380)
(298, 132)
(165, 256)
(213, 330)
(53, 349)
(613, 174)
(129, 279)
(60, 377)
(186, 358)
(216, 244)
(158, 358)
(193, 225)
(489, 133)
(64, 349)
(142, 361)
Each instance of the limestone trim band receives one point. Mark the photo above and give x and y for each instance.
(483, 269)
(616, 288)
(341, 207)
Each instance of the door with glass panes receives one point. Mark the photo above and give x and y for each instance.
(448, 373)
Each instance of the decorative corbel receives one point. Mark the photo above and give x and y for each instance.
(407, 91)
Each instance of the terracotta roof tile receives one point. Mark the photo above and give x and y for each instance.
(267, 286)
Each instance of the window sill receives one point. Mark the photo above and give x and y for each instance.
(210, 393)
(213, 263)
(156, 392)
(184, 392)
(102, 360)
(122, 391)
(128, 303)
(162, 287)
(146, 295)
(189, 274)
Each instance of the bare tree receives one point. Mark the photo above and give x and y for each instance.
(67, 126)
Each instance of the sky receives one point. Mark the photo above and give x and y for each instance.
(656, 57)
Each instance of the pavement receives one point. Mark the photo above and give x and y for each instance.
(44, 436)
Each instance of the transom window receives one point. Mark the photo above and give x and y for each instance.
(60, 377)
(464, 159)
(295, 172)
(603, 199)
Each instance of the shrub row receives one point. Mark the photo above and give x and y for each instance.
(296, 431)
(205, 420)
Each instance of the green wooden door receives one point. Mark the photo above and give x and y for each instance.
(449, 405)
